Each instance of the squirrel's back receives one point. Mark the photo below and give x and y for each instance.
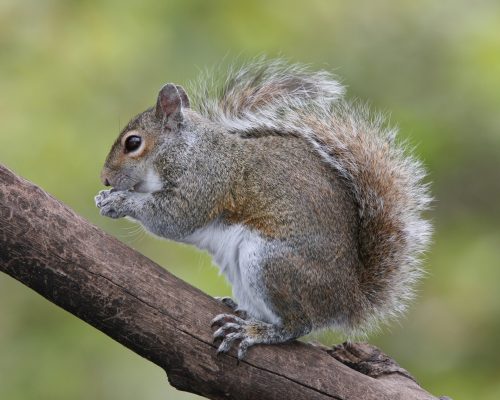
(384, 180)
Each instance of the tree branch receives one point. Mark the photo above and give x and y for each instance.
(46, 246)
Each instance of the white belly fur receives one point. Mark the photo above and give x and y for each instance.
(236, 250)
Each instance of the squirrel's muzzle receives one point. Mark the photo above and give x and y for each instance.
(104, 179)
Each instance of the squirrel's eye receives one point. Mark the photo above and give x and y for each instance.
(132, 143)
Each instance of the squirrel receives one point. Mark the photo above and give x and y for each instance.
(305, 200)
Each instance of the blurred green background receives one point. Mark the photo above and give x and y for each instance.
(73, 72)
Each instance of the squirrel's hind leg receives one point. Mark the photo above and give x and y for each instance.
(250, 332)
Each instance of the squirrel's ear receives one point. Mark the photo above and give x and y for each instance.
(171, 101)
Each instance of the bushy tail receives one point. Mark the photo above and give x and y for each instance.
(385, 180)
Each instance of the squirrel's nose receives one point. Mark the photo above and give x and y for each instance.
(104, 176)
(105, 180)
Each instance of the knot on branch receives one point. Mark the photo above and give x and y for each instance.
(367, 359)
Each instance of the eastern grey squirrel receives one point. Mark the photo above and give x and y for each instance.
(305, 201)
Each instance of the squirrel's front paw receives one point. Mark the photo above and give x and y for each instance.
(112, 203)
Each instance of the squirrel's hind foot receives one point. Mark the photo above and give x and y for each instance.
(249, 332)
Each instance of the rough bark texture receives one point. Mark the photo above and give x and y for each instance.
(46, 246)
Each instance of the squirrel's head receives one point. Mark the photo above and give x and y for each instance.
(151, 145)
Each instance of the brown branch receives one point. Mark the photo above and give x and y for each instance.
(46, 246)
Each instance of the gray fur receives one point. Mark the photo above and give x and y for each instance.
(308, 204)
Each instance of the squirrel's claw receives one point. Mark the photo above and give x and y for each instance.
(222, 319)
(228, 341)
(243, 348)
(222, 331)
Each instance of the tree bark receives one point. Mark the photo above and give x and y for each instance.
(46, 246)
